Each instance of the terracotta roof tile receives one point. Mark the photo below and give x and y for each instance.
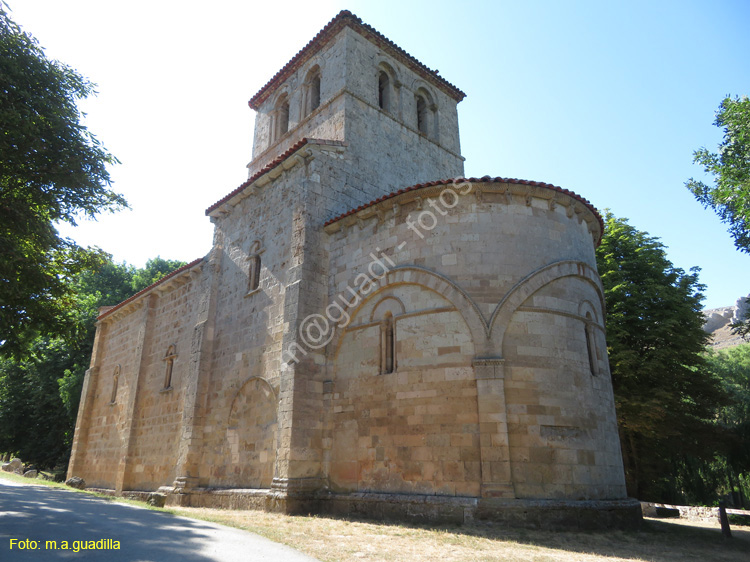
(271, 165)
(346, 19)
(147, 289)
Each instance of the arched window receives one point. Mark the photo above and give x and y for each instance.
(315, 92)
(384, 91)
(422, 123)
(388, 344)
(115, 382)
(281, 117)
(311, 97)
(169, 358)
(426, 113)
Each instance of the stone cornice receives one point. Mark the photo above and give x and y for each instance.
(511, 189)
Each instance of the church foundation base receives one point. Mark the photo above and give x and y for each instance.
(535, 514)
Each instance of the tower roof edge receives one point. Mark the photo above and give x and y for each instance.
(347, 19)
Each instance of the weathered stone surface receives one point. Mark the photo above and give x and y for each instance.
(30, 474)
(76, 482)
(156, 499)
(333, 353)
(15, 466)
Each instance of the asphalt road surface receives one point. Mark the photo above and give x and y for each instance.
(39, 513)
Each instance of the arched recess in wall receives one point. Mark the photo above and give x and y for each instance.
(543, 332)
(407, 344)
(530, 284)
(250, 439)
(427, 279)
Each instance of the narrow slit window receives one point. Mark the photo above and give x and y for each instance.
(253, 274)
(384, 91)
(115, 382)
(315, 92)
(169, 359)
(422, 121)
(283, 118)
(389, 345)
(590, 345)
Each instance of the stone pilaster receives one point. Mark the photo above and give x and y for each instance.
(196, 388)
(88, 392)
(497, 480)
(128, 430)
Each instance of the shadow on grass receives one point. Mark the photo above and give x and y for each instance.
(657, 540)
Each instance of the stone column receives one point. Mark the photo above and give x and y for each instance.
(497, 480)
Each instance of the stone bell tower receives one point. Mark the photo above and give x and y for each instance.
(397, 117)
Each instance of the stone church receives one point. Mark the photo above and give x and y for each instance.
(371, 333)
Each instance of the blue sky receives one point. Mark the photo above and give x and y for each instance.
(608, 99)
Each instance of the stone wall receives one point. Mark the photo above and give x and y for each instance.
(501, 386)
(130, 434)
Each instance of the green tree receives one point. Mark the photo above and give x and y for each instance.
(40, 390)
(665, 400)
(730, 195)
(52, 169)
(732, 367)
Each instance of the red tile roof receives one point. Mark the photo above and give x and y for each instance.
(346, 19)
(271, 165)
(485, 179)
(147, 289)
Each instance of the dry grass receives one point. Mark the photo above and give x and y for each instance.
(339, 540)
(334, 540)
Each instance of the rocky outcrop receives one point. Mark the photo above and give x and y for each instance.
(15, 466)
(719, 323)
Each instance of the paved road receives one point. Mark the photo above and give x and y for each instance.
(40, 513)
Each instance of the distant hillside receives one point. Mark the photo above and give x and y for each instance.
(719, 320)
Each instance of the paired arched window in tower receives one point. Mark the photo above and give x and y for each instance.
(169, 358)
(115, 382)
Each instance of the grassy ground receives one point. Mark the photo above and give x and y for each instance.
(334, 540)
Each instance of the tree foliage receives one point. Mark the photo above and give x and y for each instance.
(730, 195)
(665, 399)
(40, 390)
(52, 169)
(732, 367)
